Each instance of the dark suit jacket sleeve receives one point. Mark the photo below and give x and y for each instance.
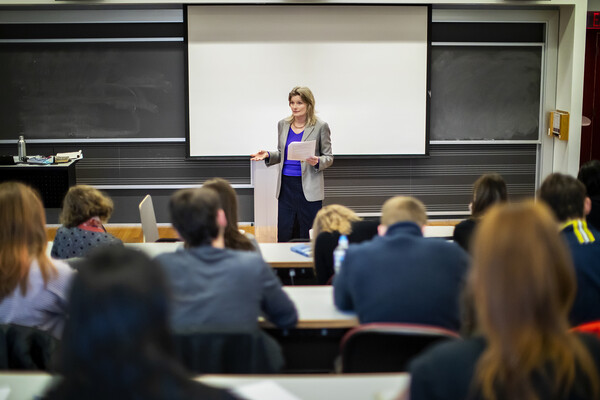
(275, 303)
(323, 255)
(342, 297)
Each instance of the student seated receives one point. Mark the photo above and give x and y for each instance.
(213, 285)
(523, 283)
(32, 286)
(234, 239)
(84, 211)
(589, 175)
(566, 196)
(402, 276)
(488, 190)
(117, 343)
(331, 222)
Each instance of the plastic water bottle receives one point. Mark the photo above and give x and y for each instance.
(339, 253)
(22, 153)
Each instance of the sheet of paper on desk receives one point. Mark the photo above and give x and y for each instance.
(4, 393)
(264, 390)
(300, 151)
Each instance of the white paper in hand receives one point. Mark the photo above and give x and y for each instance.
(300, 151)
(264, 390)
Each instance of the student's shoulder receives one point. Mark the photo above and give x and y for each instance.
(449, 353)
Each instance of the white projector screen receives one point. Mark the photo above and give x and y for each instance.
(366, 65)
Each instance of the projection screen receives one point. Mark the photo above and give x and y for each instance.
(366, 65)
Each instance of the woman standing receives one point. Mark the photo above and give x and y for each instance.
(300, 186)
(523, 284)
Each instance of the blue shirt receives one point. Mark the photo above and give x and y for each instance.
(292, 167)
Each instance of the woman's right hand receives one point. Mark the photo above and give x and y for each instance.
(259, 156)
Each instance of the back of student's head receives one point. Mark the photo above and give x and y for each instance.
(489, 189)
(117, 339)
(234, 239)
(22, 236)
(83, 202)
(403, 209)
(589, 175)
(565, 195)
(334, 218)
(194, 215)
(524, 284)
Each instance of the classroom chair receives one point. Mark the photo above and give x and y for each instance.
(387, 347)
(26, 348)
(148, 220)
(209, 350)
(593, 328)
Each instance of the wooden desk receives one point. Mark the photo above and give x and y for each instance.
(319, 387)
(316, 309)
(51, 181)
(439, 231)
(278, 255)
(25, 385)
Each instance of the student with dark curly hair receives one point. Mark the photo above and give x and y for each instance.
(85, 210)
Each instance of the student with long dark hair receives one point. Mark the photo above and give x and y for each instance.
(234, 239)
(117, 342)
(523, 284)
(488, 190)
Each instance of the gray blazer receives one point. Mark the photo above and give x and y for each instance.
(312, 177)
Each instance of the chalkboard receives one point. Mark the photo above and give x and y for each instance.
(485, 92)
(92, 90)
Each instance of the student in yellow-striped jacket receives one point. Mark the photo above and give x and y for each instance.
(567, 197)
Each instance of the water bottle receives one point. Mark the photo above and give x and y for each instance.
(339, 253)
(21, 148)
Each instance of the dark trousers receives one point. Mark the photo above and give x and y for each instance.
(295, 215)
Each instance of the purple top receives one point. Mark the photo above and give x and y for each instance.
(292, 167)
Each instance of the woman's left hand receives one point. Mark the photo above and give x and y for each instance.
(314, 160)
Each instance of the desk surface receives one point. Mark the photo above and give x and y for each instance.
(27, 165)
(278, 255)
(326, 386)
(316, 309)
(305, 387)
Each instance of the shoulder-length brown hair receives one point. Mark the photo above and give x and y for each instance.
(83, 202)
(307, 98)
(22, 237)
(523, 282)
(488, 190)
(234, 239)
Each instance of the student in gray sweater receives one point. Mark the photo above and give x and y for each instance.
(214, 286)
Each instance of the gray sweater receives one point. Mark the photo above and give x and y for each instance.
(224, 288)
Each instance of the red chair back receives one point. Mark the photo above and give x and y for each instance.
(388, 347)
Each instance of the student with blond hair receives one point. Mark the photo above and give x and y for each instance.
(331, 222)
(32, 286)
(84, 213)
(401, 276)
(523, 284)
